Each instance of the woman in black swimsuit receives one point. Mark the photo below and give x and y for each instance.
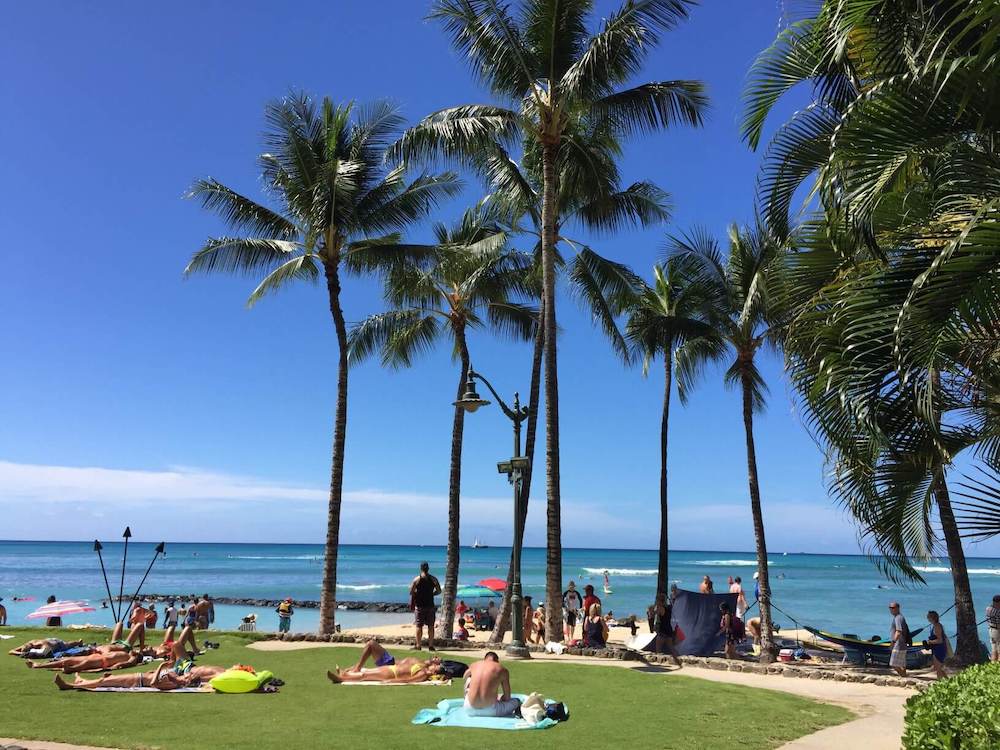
(664, 628)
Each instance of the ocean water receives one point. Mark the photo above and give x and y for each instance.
(842, 593)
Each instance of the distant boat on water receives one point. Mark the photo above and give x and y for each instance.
(479, 545)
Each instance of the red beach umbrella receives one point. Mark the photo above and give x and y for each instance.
(58, 609)
(494, 584)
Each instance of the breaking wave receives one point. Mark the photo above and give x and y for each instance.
(621, 571)
(972, 571)
(730, 563)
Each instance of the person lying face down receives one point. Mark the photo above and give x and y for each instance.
(487, 689)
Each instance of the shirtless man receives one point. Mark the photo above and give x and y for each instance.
(408, 670)
(164, 678)
(43, 648)
(483, 681)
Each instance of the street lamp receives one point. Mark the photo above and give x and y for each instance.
(516, 468)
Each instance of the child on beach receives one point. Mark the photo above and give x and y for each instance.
(461, 634)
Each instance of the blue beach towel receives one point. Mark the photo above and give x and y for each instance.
(451, 713)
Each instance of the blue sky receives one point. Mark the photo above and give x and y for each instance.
(130, 395)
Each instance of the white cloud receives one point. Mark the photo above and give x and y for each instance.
(229, 506)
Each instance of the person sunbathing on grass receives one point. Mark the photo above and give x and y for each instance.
(96, 662)
(373, 650)
(43, 648)
(408, 670)
(163, 678)
(118, 654)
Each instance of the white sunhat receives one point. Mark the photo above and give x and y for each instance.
(756, 575)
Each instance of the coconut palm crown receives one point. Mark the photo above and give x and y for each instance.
(335, 206)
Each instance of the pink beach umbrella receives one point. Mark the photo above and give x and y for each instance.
(59, 609)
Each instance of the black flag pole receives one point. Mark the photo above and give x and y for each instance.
(159, 551)
(121, 588)
(97, 548)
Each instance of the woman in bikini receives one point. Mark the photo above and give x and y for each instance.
(407, 670)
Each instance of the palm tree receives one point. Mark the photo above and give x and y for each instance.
(544, 63)
(591, 197)
(672, 319)
(465, 284)
(743, 291)
(338, 207)
(895, 290)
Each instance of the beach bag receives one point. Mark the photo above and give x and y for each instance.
(453, 669)
(739, 629)
(679, 634)
(557, 712)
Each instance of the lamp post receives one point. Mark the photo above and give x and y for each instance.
(515, 469)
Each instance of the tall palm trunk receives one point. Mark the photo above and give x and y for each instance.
(662, 568)
(328, 598)
(455, 492)
(503, 621)
(553, 537)
(767, 648)
(968, 649)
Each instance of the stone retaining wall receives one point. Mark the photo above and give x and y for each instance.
(801, 670)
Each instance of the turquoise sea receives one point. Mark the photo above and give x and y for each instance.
(843, 593)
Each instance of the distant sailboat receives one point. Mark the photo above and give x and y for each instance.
(607, 583)
(479, 545)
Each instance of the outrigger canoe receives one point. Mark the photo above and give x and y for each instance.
(877, 651)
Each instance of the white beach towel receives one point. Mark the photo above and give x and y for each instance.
(203, 689)
(5, 637)
(385, 684)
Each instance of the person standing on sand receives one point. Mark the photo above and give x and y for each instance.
(664, 628)
(938, 642)
(736, 587)
(491, 614)
(423, 589)
(170, 615)
(285, 612)
(993, 621)
(589, 599)
(899, 634)
(726, 628)
(483, 681)
(53, 622)
(572, 602)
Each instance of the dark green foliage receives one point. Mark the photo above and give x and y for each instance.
(960, 713)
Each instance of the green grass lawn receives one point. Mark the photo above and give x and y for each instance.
(610, 707)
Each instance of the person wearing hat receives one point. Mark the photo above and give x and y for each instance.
(572, 602)
(285, 612)
(993, 620)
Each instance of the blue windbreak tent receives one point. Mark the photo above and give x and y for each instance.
(698, 615)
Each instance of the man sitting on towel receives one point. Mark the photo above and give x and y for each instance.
(483, 681)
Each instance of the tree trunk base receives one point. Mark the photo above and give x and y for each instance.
(768, 656)
(517, 652)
